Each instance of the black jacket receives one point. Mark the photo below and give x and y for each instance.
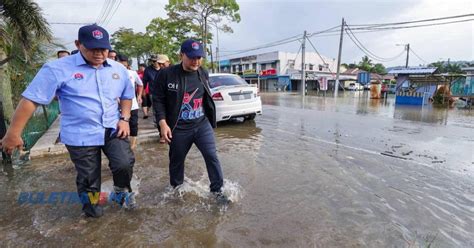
(168, 93)
(148, 75)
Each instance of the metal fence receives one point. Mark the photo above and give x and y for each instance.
(41, 120)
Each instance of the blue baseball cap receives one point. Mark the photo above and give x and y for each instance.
(94, 36)
(192, 49)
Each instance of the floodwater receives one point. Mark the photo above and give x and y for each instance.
(312, 172)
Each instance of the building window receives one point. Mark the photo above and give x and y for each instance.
(311, 67)
(274, 65)
(320, 68)
(254, 66)
(291, 64)
(247, 66)
(263, 67)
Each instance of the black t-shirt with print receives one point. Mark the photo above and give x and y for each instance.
(192, 112)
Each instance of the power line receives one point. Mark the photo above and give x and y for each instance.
(324, 31)
(290, 41)
(264, 45)
(413, 26)
(316, 50)
(115, 10)
(105, 8)
(109, 9)
(414, 53)
(277, 43)
(359, 44)
(416, 21)
(294, 60)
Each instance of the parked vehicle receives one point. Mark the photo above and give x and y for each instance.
(234, 97)
(352, 86)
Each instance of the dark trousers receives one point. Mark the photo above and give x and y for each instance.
(133, 122)
(203, 137)
(87, 160)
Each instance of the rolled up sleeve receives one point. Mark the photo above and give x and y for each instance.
(43, 87)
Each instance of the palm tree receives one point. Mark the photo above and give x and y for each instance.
(365, 64)
(21, 25)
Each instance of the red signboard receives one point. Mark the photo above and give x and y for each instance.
(268, 72)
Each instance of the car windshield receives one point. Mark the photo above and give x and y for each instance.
(225, 80)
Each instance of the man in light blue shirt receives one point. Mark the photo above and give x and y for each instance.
(87, 85)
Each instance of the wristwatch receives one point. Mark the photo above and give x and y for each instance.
(123, 118)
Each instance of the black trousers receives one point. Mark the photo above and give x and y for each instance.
(87, 160)
(203, 137)
(134, 123)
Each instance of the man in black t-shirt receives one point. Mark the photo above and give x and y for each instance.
(186, 115)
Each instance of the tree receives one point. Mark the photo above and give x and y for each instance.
(131, 44)
(446, 67)
(365, 64)
(378, 68)
(202, 12)
(22, 30)
(166, 35)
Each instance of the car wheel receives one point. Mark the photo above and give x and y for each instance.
(250, 117)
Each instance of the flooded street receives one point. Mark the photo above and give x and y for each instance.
(318, 172)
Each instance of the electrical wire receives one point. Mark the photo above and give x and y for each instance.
(115, 10)
(316, 50)
(416, 21)
(359, 44)
(414, 53)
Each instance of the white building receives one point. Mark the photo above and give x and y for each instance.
(281, 70)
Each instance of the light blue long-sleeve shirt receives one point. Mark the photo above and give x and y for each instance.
(88, 96)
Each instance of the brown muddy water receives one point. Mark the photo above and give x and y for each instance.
(318, 172)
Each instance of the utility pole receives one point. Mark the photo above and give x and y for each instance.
(407, 46)
(303, 74)
(218, 61)
(336, 85)
(212, 61)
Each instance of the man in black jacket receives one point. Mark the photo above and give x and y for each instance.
(186, 114)
(148, 75)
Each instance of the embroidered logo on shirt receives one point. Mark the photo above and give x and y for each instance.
(115, 76)
(97, 34)
(78, 76)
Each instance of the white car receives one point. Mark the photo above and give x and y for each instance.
(234, 97)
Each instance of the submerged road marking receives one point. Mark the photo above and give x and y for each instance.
(352, 147)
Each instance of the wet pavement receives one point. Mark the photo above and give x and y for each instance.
(318, 172)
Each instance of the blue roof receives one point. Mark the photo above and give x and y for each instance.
(413, 70)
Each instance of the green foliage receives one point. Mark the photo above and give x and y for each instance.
(366, 65)
(446, 67)
(168, 34)
(22, 24)
(25, 39)
(202, 13)
(136, 45)
(379, 68)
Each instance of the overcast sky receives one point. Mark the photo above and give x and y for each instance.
(268, 21)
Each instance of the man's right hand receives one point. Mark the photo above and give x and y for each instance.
(10, 142)
(165, 131)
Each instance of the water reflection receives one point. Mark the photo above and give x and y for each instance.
(359, 103)
(426, 114)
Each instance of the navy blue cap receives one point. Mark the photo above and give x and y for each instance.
(94, 36)
(192, 48)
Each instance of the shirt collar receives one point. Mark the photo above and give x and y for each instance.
(81, 61)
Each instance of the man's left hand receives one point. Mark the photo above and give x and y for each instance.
(123, 129)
